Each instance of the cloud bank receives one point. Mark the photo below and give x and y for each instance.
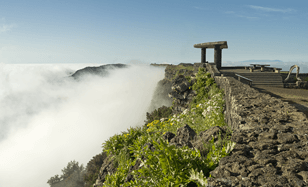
(48, 119)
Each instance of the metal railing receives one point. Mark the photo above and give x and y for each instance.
(240, 76)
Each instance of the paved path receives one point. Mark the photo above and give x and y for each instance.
(295, 97)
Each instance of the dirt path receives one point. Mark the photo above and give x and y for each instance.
(295, 97)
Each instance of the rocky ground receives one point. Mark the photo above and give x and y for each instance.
(271, 140)
(295, 97)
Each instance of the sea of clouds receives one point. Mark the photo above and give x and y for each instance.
(48, 119)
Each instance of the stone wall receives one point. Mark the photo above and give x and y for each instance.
(302, 76)
(271, 139)
(297, 85)
(292, 83)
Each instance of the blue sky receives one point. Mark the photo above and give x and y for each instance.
(118, 31)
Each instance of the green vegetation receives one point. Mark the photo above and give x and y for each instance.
(179, 67)
(306, 79)
(93, 168)
(181, 70)
(72, 175)
(188, 78)
(157, 114)
(168, 165)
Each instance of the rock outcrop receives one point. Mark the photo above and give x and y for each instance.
(160, 96)
(109, 166)
(181, 93)
(163, 87)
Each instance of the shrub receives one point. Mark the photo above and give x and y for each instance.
(72, 174)
(120, 142)
(169, 165)
(92, 169)
(157, 114)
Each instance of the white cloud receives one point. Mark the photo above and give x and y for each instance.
(238, 15)
(248, 17)
(199, 8)
(50, 120)
(229, 12)
(6, 27)
(267, 9)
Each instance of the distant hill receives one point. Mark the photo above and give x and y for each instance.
(261, 61)
(100, 70)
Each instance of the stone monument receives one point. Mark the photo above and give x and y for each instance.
(218, 46)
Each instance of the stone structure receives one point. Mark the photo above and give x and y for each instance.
(299, 83)
(297, 72)
(218, 46)
(270, 136)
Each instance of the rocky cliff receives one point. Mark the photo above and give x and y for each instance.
(271, 135)
(175, 86)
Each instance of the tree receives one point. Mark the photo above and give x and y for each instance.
(72, 176)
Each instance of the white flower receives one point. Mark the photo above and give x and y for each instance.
(209, 108)
(214, 158)
(230, 147)
(185, 111)
(205, 113)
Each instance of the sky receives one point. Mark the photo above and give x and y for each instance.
(41, 110)
(119, 31)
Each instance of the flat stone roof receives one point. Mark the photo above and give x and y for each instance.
(212, 45)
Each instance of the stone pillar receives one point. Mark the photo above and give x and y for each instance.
(203, 55)
(217, 56)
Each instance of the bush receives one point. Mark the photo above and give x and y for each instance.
(157, 114)
(120, 142)
(72, 176)
(93, 167)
